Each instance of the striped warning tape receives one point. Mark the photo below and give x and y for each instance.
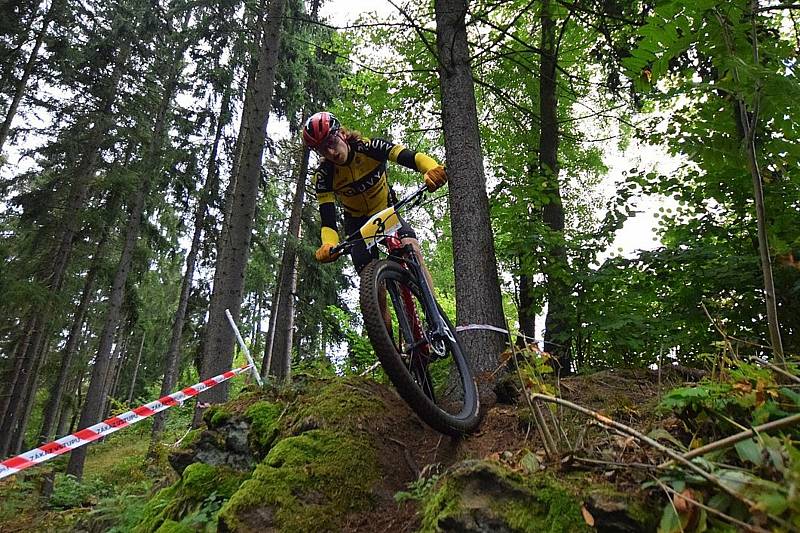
(110, 425)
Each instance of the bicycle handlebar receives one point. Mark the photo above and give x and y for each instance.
(412, 198)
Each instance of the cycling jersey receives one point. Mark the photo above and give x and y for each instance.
(360, 183)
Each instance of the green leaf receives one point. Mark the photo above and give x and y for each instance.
(663, 434)
(750, 450)
(530, 463)
(670, 521)
(769, 496)
(720, 501)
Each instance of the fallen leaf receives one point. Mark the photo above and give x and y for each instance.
(587, 516)
(682, 505)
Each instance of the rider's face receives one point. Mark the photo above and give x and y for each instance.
(334, 148)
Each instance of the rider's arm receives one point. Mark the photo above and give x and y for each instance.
(398, 153)
(327, 207)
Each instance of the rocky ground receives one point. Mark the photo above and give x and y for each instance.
(349, 455)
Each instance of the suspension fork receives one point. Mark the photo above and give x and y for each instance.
(411, 263)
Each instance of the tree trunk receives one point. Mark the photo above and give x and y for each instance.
(118, 370)
(527, 318)
(115, 363)
(758, 195)
(255, 332)
(135, 371)
(558, 291)
(53, 406)
(235, 245)
(172, 362)
(282, 344)
(269, 340)
(25, 375)
(93, 404)
(475, 265)
(30, 399)
(78, 404)
(92, 408)
(12, 374)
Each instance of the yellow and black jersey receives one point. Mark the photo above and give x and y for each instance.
(360, 184)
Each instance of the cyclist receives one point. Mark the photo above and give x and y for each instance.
(353, 172)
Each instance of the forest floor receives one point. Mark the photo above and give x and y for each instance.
(119, 479)
(507, 434)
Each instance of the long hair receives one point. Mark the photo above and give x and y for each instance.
(350, 135)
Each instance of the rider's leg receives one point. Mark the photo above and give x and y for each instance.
(361, 258)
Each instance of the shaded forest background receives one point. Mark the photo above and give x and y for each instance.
(141, 195)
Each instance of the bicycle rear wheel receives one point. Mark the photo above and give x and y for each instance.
(431, 374)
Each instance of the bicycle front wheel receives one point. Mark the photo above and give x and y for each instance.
(429, 370)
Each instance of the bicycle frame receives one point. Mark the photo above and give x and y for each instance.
(374, 231)
(405, 255)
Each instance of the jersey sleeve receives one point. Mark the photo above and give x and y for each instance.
(397, 153)
(323, 183)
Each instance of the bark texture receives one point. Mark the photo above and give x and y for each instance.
(287, 284)
(234, 246)
(475, 265)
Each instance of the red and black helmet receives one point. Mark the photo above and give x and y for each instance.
(318, 127)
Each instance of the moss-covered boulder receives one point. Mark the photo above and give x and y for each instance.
(488, 496)
(342, 404)
(238, 440)
(310, 454)
(484, 496)
(264, 418)
(193, 500)
(325, 469)
(307, 482)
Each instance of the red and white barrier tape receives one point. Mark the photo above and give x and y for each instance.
(110, 425)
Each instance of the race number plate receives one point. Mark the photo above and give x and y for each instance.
(383, 223)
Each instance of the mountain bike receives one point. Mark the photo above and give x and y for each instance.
(414, 340)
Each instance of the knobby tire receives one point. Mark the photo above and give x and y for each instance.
(415, 384)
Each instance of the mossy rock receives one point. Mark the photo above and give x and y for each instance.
(484, 496)
(308, 482)
(201, 485)
(190, 439)
(346, 402)
(216, 415)
(264, 418)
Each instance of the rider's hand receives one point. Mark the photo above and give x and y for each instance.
(435, 178)
(323, 254)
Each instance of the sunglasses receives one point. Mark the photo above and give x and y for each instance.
(327, 143)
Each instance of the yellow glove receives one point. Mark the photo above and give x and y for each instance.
(323, 254)
(435, 178)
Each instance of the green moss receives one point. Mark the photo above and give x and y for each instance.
(264, 425)
(171, 526)
(343, 402)
(200, 486)
(152, 517)
(190, 439)
(306, 483)
(490, 493)
(550, 508)
(215, 416)
(200, 480)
